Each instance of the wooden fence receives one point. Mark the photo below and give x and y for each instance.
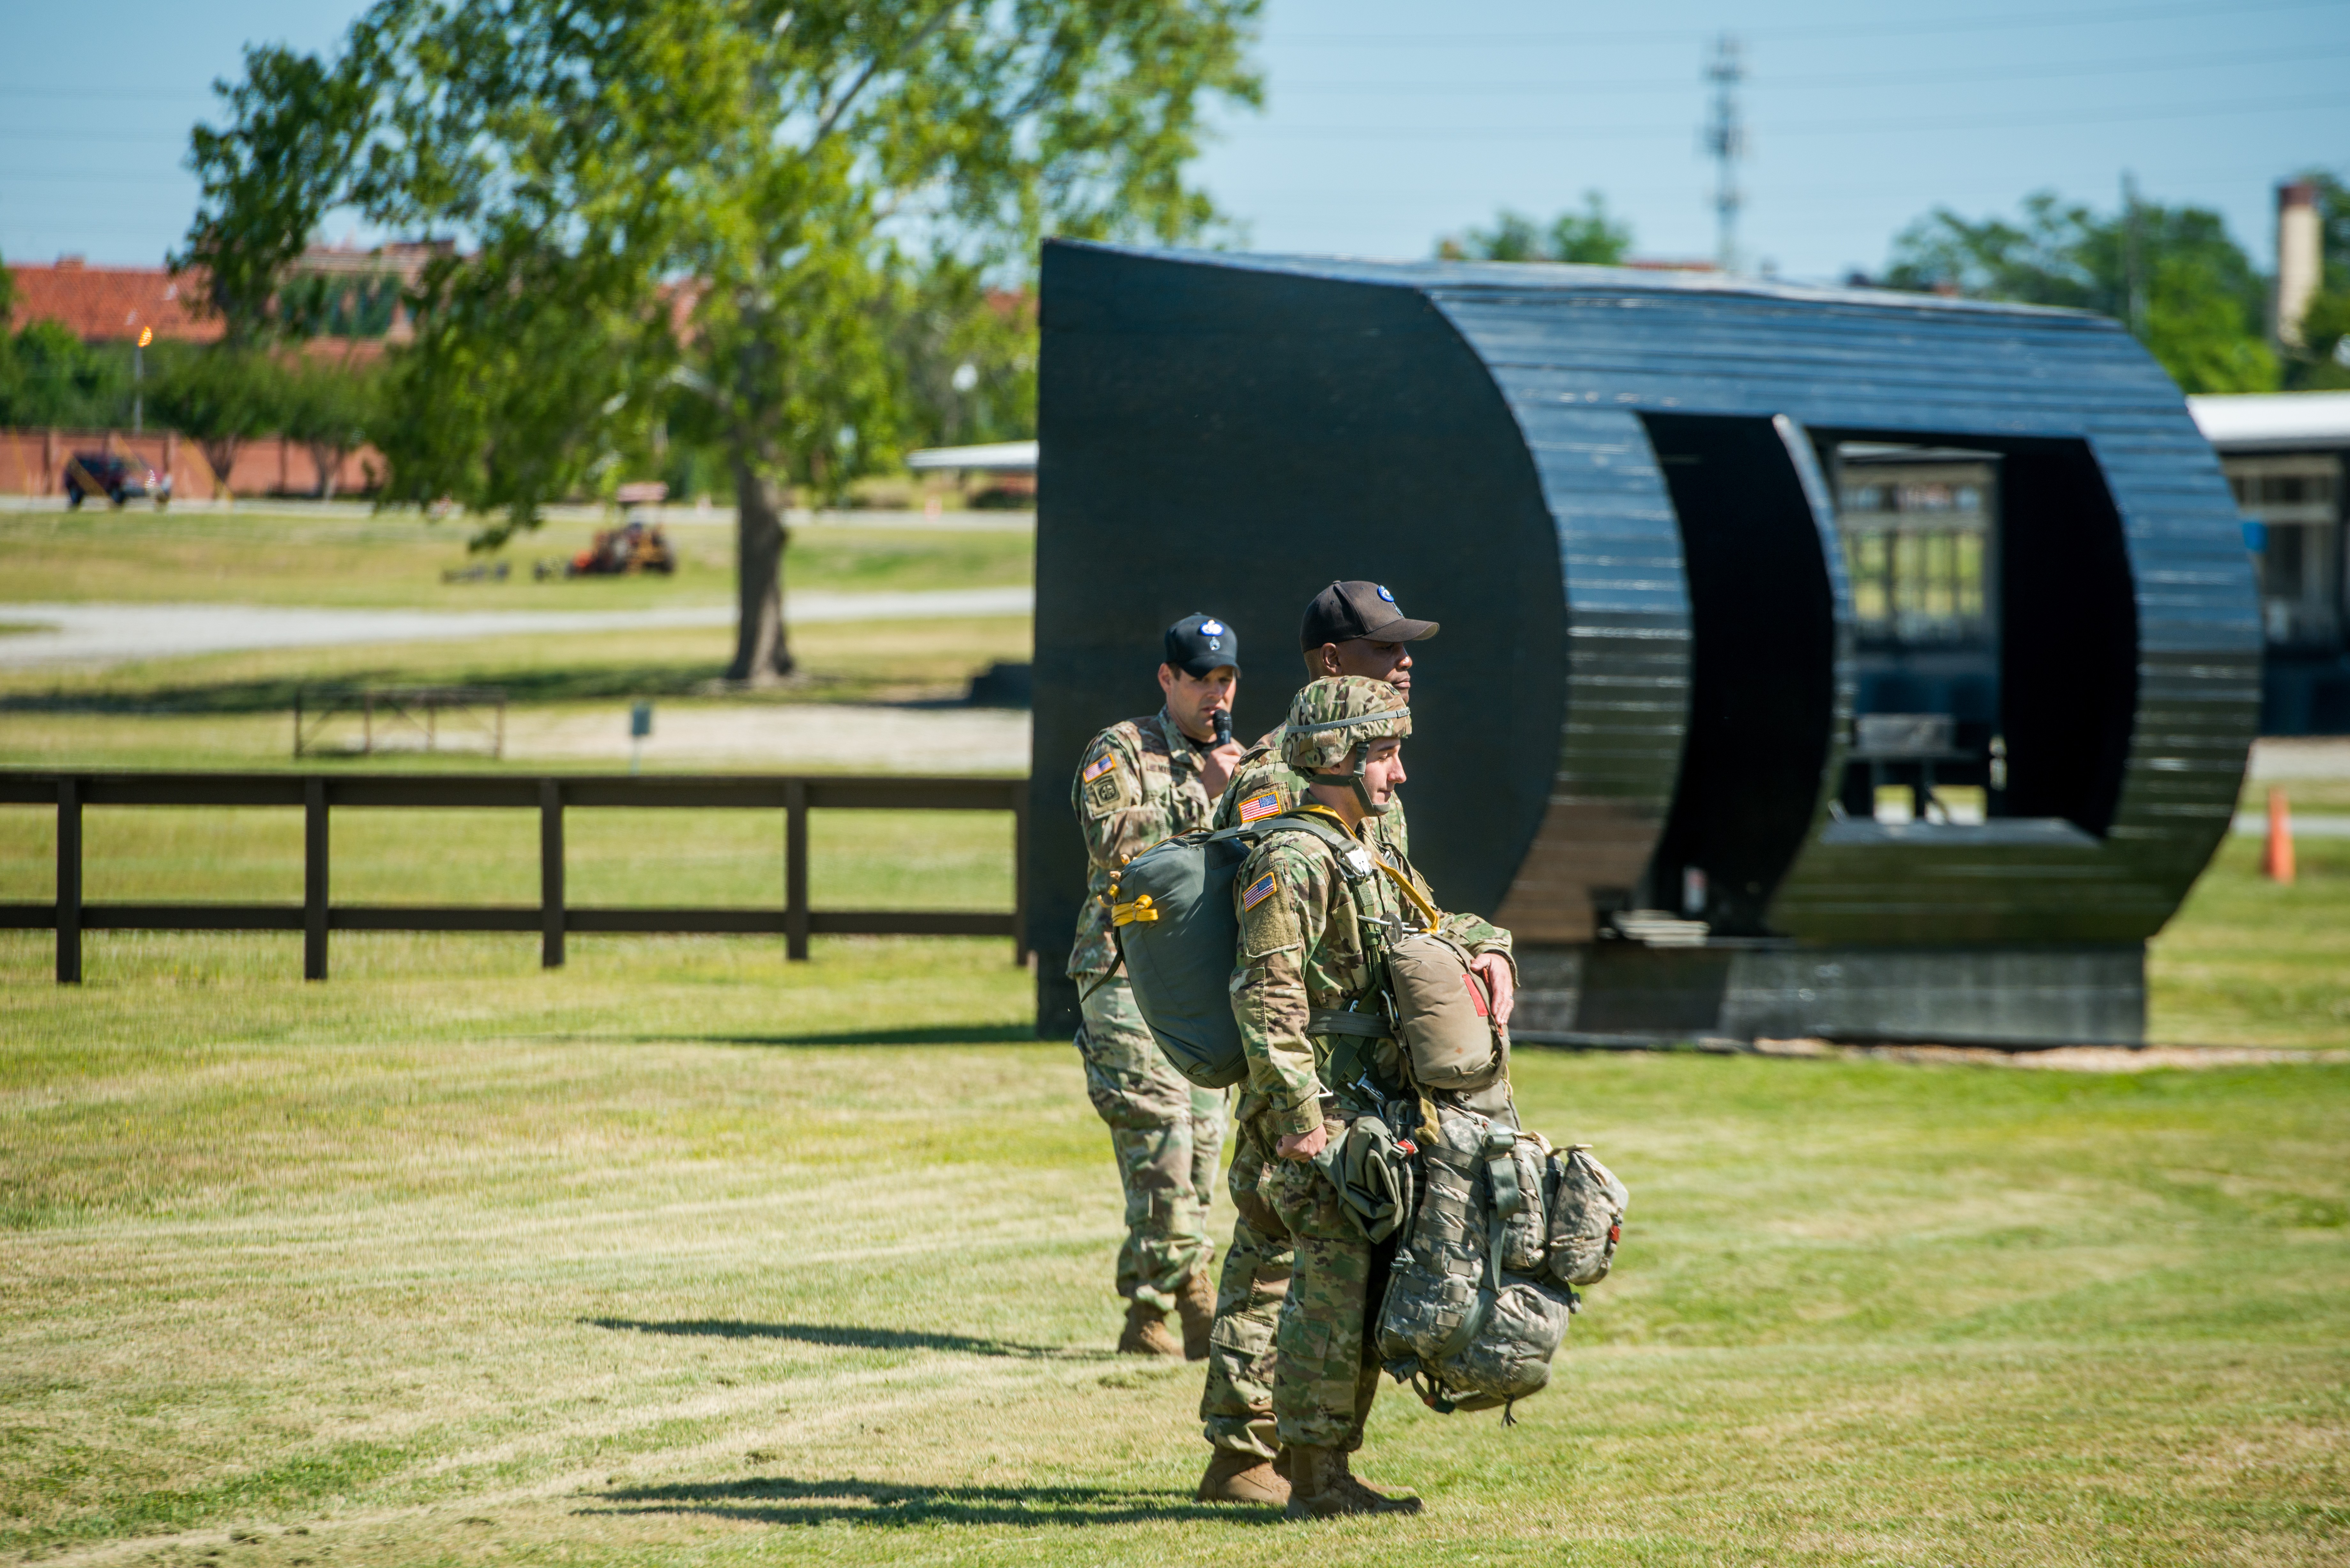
(318, 793)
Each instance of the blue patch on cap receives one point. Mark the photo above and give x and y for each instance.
(1215, 644)
(1386, 596)
(1212, 627)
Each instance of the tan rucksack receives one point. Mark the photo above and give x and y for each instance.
(1444, 1014)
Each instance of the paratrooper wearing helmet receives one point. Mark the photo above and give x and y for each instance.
(1314, 923)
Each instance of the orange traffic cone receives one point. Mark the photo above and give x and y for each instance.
(2276, 862)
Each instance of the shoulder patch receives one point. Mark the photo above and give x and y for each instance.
(1257, 892)
(1265, 804)
(1105, 762)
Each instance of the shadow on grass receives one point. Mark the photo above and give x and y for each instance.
(781, 1499)
(927, 1034)
(120, 693)
(846, 1336)
(274, 695)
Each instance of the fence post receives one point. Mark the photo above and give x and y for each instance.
(550, 873)
(1020, 874)
(796, 895)
(69, 881)
(313, 878)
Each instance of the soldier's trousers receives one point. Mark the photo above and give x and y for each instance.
(1326, 1362)
(1167, 1133)
(1236, 1409)
(1289, 1361)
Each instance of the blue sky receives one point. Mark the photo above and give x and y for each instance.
(1387, 123)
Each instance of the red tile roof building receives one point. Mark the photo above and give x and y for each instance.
(110, 304)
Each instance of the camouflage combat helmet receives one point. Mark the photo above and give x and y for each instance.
(1336, 718)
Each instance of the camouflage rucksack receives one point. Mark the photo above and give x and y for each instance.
(1482, 1291)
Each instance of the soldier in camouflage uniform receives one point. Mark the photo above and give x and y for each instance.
(1142, 780)
(1306, 974)
(1350, 628)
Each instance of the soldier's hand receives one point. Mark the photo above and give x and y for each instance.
(1495, 969)
(1303, 1146)
(1216, 767)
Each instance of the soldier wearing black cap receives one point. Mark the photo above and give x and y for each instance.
(1143, 780)
(1351, 627)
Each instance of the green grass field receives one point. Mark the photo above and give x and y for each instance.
(396, 560)
(686, 1255)
(234, 710)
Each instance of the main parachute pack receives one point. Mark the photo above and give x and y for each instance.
(1172, 906)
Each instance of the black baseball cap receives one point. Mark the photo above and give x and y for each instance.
(1200, 644)
(1346, 610)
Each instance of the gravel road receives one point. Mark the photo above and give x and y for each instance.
(104, 634)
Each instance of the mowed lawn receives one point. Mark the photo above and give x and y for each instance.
(687, 1254)
(400, 559)
(684, 1254)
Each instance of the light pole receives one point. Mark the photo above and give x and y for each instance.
(139, 380)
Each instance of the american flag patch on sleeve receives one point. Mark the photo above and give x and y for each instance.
(1099, 766)
(1264, 805)
(1258, 892)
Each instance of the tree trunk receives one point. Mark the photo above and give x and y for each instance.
(221, 455)
(762, 653)
(329, 462)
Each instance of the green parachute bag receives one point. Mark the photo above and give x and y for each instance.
(1172, 906)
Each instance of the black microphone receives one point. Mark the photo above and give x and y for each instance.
(1223, 727)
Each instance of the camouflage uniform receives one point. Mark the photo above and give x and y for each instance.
(1140, 783)
(1236, 1407)
(1303, 949)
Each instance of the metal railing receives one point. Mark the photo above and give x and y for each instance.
(318, 793)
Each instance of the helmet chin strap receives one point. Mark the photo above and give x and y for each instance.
(1362, 793)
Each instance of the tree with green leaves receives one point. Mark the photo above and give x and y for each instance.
(49, 376)
(2173, 275)
(1593, 236)
(331, 406)
(720, 197)
(220, 396)
(295, 123)
(967, 358)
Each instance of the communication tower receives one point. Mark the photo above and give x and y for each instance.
(1725, 138)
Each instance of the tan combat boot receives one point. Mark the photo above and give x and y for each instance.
(1322, 1487)
(1147, 1332)
(1236, 1477)
(1197, 1307)
(1374, 1502)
